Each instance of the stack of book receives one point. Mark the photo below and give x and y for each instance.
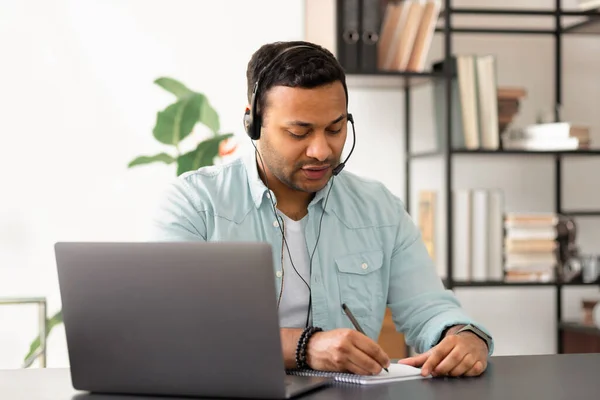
(530, 247)
(553, 136)
(406, 33)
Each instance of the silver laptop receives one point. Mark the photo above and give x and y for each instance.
(176, 319)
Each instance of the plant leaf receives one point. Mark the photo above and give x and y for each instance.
(175, 122)
(209, 116)
(202, 156)
(162, 157)
(56, 319)
(174, 86)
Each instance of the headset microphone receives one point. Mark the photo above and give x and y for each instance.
(341, 166)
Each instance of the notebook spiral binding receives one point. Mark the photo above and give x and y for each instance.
(338, 376)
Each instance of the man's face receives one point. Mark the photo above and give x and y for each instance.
(303, 135)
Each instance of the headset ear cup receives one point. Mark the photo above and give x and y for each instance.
(252, 126)
(256, 127)
(248, 123)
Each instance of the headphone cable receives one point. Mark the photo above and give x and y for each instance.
(280, 223)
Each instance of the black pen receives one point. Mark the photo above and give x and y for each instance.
(355, 323)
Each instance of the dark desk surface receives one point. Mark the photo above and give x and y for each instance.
(572, 376)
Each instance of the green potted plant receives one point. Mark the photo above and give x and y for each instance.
(173, 124)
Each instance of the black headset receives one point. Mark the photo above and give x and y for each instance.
(253, 121)
(253, 124)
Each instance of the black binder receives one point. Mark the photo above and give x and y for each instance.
(371, 19)
(348, 34)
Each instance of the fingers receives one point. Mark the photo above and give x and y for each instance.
(362, 361)
(415, 361)
(451, 358)
(357, 369)
(370, 349)
(477, 369)
(343, 353)
(461, 367)
(456, 358)
(437, 354)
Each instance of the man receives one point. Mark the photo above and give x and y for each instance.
(337, 239)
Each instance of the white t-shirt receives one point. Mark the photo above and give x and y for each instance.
(293, 308)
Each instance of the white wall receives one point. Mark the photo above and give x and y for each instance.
(522, 319)
(78, 103)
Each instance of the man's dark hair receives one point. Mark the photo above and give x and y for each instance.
(302, 67)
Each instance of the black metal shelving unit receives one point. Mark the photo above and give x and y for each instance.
(590, 25)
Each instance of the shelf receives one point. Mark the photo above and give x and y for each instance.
(578, 282)
(590, 26)
(391, 79)
(581, 213)
(475, 284)
(530, 152)
(426, 154)
(435, 153)
(500, 284)
(500, 31)
(591, 152)
(519, 12)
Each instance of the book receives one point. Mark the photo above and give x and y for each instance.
(480, 229)
(487, 101)
(391, 19)
(427, 206)
(424, 36)
(478, 234)
(397, 373)
(464, 132)
(462, 239)
(495, 234)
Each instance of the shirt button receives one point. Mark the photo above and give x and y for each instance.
(275, 224)
(364, 266)
(279, 274)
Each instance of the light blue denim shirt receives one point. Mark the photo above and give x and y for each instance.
(370, 254)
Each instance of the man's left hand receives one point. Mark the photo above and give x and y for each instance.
(464, 354)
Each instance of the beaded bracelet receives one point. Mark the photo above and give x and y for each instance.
(299, 363)
(303, 344)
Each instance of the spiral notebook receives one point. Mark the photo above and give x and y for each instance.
(397, 373)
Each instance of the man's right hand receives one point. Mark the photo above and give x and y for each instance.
(345, 350)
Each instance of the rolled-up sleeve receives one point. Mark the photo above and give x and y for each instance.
(422, 308)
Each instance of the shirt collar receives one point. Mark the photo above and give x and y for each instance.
(257, 186)
(258, 189)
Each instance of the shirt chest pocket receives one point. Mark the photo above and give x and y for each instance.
(361, 280)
